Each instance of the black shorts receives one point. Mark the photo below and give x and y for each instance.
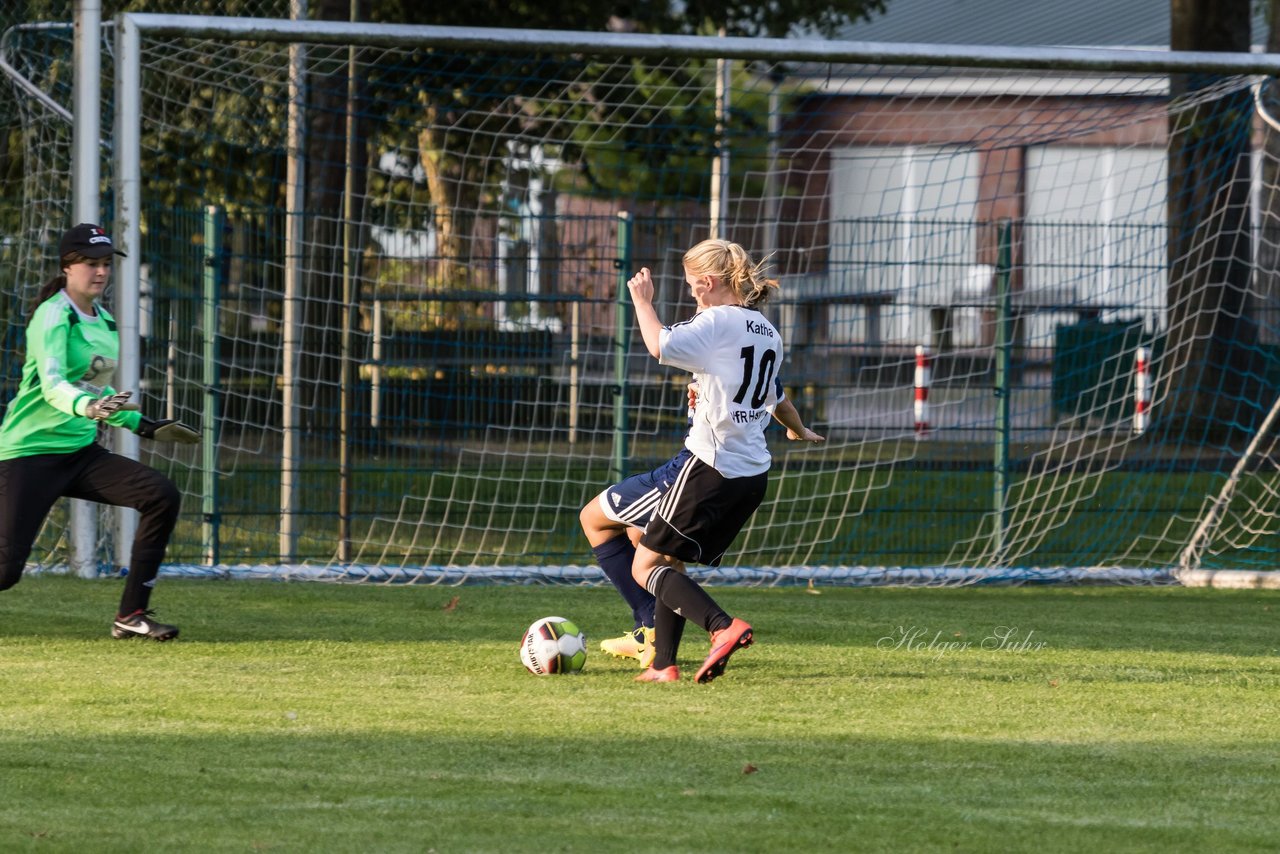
(702, 513)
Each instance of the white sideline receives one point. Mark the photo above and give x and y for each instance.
(827, 576)
(1233, 579)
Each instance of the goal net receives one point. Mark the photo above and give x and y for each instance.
(1028, 299)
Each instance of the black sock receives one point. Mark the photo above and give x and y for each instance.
(615, 557)
(144, 566)
(668, 629)
(682, 594)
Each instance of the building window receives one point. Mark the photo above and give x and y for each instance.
(902, 228)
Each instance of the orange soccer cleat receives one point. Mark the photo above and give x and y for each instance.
(724, 643)
(666, 674)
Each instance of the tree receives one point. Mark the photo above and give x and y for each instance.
(1212, 326)
(222, 154)
(452, 111)
(1267, 274)
(750, 18)
(445, 115)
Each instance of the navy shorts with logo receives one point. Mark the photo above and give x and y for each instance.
(633, 501)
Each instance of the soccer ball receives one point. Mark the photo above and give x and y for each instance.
(553, 645)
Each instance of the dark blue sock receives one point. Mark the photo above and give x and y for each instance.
(615, 558)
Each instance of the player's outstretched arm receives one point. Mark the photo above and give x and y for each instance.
(788, 417)
(167, 430)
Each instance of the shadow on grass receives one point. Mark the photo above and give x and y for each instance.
(296, 790)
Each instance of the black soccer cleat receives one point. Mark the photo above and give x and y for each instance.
(140, 625)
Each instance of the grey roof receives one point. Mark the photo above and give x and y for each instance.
(1016, 23)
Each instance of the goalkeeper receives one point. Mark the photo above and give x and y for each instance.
(47, 439)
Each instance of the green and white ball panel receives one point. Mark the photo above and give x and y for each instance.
(553, 645)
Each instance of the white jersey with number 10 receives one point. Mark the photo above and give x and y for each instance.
(735, 354)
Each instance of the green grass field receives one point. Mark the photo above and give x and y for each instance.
(311, 717)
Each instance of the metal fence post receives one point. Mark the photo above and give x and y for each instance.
(1003, 354)
(621, 345)
(214, 220)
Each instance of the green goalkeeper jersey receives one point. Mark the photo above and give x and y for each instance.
(71, 359)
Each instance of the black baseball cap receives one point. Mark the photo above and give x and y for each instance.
(89, 240)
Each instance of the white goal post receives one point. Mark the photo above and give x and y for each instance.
(1004, 212)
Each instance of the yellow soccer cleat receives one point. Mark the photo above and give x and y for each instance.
(637, 644)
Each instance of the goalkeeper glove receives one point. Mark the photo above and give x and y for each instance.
(167, 430)
(104, 407)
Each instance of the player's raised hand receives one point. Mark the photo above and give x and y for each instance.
(104, 407)
(641, 286)
(807, 436)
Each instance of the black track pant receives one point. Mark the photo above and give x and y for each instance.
(29, 486)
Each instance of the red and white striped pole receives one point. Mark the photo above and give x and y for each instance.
(1141, 391)
(922, 380)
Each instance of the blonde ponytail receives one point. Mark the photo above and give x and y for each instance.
(730, 263)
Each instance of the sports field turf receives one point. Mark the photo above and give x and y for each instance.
(313, 717)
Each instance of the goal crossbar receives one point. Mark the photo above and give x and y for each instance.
(707, 47)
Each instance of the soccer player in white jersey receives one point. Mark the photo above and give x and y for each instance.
(614, 520)
(734, 353)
